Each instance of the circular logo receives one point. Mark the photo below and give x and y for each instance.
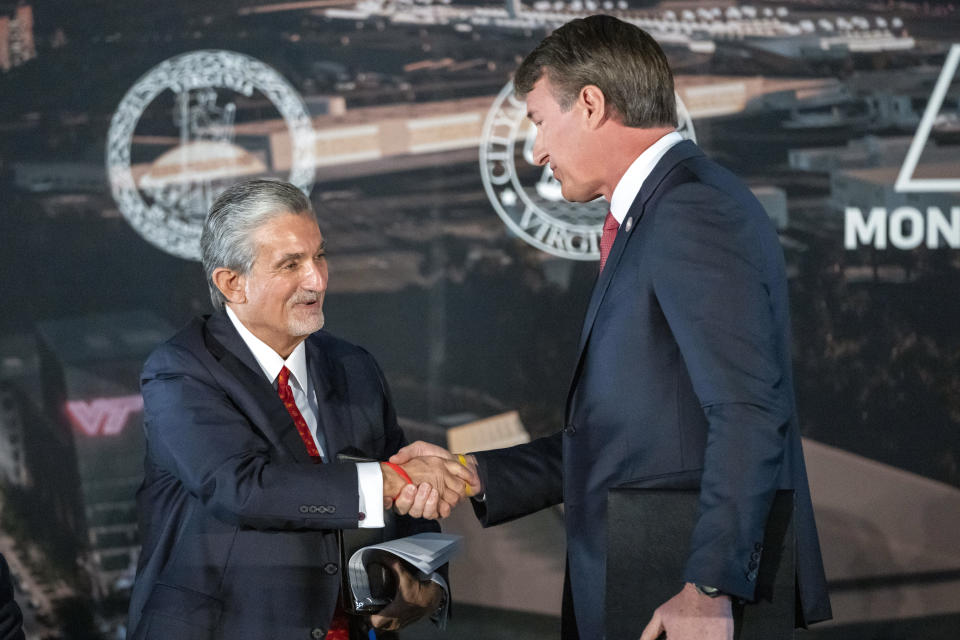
(166, 172)
(527, 197)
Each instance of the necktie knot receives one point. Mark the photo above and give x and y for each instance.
(610, 227)
(610, 223)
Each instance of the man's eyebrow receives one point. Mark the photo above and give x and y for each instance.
(288, 256)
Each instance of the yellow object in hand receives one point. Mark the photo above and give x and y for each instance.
(466, 485)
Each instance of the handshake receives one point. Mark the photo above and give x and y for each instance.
(437, 481)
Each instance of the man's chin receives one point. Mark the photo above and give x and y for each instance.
(306, 326)
(572, 196)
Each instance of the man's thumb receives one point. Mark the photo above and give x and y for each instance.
(654, 628)
(406, 454)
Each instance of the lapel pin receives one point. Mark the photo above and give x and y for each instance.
(629, 223)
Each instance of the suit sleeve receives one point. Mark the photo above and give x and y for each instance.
(709, 279)
(520, 480)
(198, 436)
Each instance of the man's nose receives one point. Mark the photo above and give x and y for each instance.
(315, 276)
(540, 155)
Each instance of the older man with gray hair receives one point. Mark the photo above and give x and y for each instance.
(245, 411)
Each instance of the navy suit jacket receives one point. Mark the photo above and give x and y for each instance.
(683, 379)
(11, 618)
(238, 524)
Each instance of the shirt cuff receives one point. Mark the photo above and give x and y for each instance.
(370, 483)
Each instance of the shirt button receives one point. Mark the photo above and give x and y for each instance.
(330, 568)
(317, 633)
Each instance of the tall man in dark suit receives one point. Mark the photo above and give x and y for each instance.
(245, 411)
(683, 376)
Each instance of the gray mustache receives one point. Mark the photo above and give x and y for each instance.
(306, 298)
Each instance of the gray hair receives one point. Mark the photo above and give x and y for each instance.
(227, 238)
(624, 61)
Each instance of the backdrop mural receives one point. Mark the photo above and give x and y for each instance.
(454, 259)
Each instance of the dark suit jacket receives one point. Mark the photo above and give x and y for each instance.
(11, 618)
(683, 379)
(238, 524)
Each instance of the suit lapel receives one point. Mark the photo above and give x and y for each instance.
(677, 154)
(231, 351)
(333, 416)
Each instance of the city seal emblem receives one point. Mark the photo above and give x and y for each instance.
(527, 197)
(173, 145)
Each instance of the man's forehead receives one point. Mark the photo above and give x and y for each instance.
(535, 97)
(290, 233)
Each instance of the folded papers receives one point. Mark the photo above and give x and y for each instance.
(425, 551)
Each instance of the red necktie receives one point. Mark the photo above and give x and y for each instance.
(610, 226)
(286, 394)
(340, 625)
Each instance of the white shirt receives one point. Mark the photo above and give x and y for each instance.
(369, 476)
(629, 186)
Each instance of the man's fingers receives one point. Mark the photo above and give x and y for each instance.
(420, 500)
(404, 501)
(459, 477)
(654, 628)
(444, 509)
(454, 488)
(384, 622)
(430, 508)
(412, 601)
(459, 471)
(451, 498)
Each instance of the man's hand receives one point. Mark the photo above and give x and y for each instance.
(413, 600)
(690, 615)
(420, 502)
(421, 448)
(440, 484)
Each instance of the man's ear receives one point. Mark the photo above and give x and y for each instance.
(594, 105)
(231, 284)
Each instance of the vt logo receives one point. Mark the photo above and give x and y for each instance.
(103, 416)
(905, 181)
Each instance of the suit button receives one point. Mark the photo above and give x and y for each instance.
(751, 575)
(752, 565)
(361, 516)
(758, 547)
(330, 568)
(570, 430)
(304, 508)
(317, 633)
(755, 556)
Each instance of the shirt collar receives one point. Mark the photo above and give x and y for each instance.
(629, 186)
(269, 360)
